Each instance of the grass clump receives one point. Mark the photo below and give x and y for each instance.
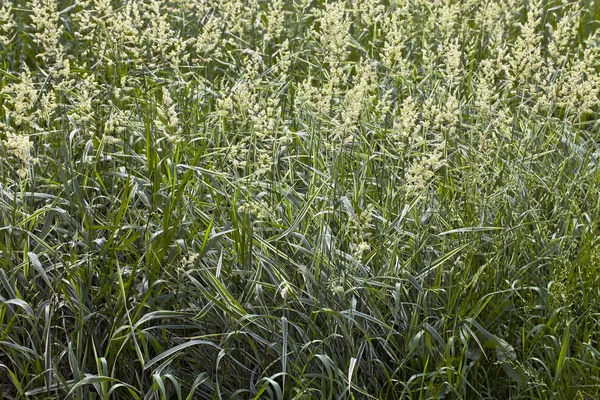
(297, 200)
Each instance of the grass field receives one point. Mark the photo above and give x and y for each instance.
(252, 199)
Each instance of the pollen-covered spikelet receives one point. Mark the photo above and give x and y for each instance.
(422, 169)
(165, 41)
(168, 118)
(561, 38)
(257, 208)
(7, 23)
(20, 98)
(406, 128)
(237, 14)
(370, 12)
(207, 44)
(452, 59)
(361, 227)
(358, 98)
(484, 89)
(275, 19)
(48, 30)
(442, 117)
(333, 33)
(116, 124)
(84, 98)
(525, 59)
(18, 146)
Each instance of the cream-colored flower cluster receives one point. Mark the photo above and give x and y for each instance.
(48, 28)
(333, 33)
(20, 147)
(168, 118)
(361, 227)
(20, 98)
(6, 23)
(264, 84)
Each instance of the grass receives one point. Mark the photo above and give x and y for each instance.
(298, 200)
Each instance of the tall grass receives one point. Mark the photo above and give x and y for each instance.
(299, 200)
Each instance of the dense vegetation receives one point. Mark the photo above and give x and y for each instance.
(311, 200)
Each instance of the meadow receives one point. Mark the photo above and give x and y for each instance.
(252, 199)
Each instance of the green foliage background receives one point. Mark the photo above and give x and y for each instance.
(255, 199)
